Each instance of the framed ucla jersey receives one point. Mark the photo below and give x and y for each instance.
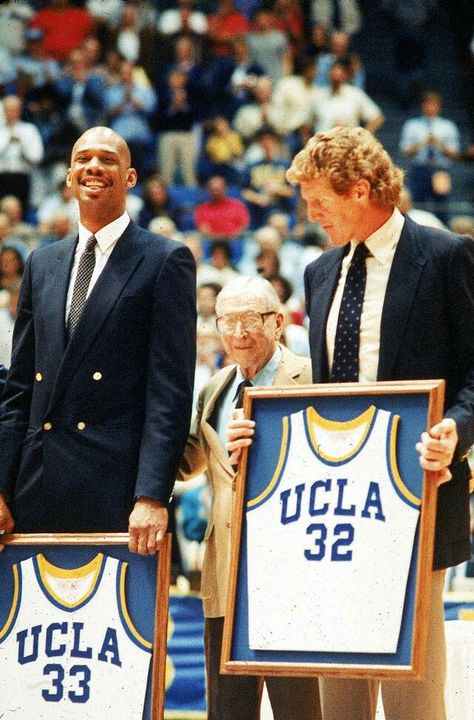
(333, 532)
(83, 628)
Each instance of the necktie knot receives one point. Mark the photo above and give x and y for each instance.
(90, 244)
(239, 393)
(360, 253)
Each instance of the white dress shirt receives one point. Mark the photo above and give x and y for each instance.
(107, 238)
(23, 153)
(382, 245)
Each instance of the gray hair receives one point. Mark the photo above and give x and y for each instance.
(250, 286)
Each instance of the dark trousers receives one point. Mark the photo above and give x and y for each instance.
(237, 697)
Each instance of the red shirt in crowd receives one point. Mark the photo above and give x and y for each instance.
(65, 29)
(224, 218)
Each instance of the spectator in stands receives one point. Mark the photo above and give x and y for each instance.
(221, 153)
(23, 234)
(81, 92)
(134, 37)
(12, 265)
(259, 113)
(318, 42)
(129, 107)
(221, 217)
(21, 150)
(105, 13)
(431, 143)
(295, 334)
(337, 15)
(423, 217)
(177, 141)
(14, 18)
(206, 305)
(182, 19)
(58, 228)
(65, 27)
(250, 322)
(291, 97)
(344, 104)
(93, 54)
(463, 225)
(290, 18)
(126, 34)
(156, 201)
(45, 108)
(225, 26)
(243, 75)
(265, 188)
(339, 49)
(7, 323)
(267, 263)
(219, 269)
(112, 63)
(268, 46)
(33, 68)
(61, 201)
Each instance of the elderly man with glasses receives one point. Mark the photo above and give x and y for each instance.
(250, 322)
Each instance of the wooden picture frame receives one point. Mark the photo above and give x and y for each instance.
(293, 532)
(68, 643)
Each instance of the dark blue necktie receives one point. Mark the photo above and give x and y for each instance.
(345, 366)
(239, 393)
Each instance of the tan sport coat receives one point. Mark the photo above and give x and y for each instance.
(205, 453)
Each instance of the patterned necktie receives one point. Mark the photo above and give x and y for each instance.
(239, 393)
(81, 283)
(345, 366)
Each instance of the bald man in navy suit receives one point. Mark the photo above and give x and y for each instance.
(95, 414)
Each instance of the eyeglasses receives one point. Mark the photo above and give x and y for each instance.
(250, 322)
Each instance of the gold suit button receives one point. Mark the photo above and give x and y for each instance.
(47, 426)
(97, 376)
(38, 377)
(81, 425)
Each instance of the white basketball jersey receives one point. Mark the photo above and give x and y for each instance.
(69, 650)
(329, 541)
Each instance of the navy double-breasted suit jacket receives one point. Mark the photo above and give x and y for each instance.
(427, 332)
(90, 424)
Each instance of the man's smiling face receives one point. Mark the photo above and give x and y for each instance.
(100, 174)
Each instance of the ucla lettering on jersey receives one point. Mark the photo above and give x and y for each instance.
(338, 522)
(69, 648)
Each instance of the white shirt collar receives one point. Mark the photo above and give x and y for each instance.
(381, 243)
(107, 235)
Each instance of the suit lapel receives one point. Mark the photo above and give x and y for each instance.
(55, 292)
(287, 371)
(323, 284)
(208, 422)
(125, 257)
(407, 267)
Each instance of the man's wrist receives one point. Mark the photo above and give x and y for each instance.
(145, 498)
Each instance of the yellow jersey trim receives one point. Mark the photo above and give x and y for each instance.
(276, 474)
